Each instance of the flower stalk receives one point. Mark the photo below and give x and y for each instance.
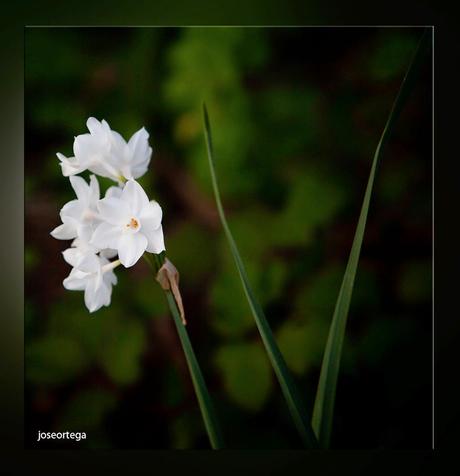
(156, 261)
(111, 265)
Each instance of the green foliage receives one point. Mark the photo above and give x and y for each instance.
(231, 312)
(149, 300)
(197, 265)
(302, 344)
(291, 111)
(313, 202)
(54, 360)
(204, 400)
(231, 316)
(256, 241)
(76, 342)
(245, 371)
(313, 299)
(298, 413)
(222, 54)
(121, 351)
(325, 396)
(392, 54)
(211, 423)
(219, 52)
(86, 410)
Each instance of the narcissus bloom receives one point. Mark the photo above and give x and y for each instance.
(79, 216)
(93, 275)
(130, 224)
(125, 222)
(105, 153)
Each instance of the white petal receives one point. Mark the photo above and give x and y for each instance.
(90, 298)
(64, 232)
(139, 147)
(80, 187)
(76, 281)
(113, 191)
(126, 171)
(118, 145)
(93, 125)
(82, 260)
(62, 157)
(68, 170)
(134, 194)
(88, 263)
(102, 166)
(106, 235)
(139, 169)
(151, 215)
(105, 126)
(73, 209)
(69, 165)
(85, 147)
(114, 210)
(85, 231)
(97, 279)
(94, 189)
(140, 153)
(95, 298)
(110, 278)
(155, 239)
(139, 140)
(131, 247)
(72, 256)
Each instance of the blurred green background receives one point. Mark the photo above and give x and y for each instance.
(296, 115)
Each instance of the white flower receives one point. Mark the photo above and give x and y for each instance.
(124, 222)
(131, 224)
(80, 248)
(91, 274)
(79, 216)
(105, 153)
(91, 151)
(132, 158)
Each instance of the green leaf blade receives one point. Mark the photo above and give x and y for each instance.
(282, 373)
(325, 397)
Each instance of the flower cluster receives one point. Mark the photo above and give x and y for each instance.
(124, 223)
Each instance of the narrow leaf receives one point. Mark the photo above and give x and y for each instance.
(287, 384)
(325, 396)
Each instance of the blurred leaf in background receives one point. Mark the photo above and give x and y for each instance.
(246, 374)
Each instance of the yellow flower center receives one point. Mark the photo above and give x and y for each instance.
(134, 224)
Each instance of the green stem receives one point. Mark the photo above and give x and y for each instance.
(204, 400)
